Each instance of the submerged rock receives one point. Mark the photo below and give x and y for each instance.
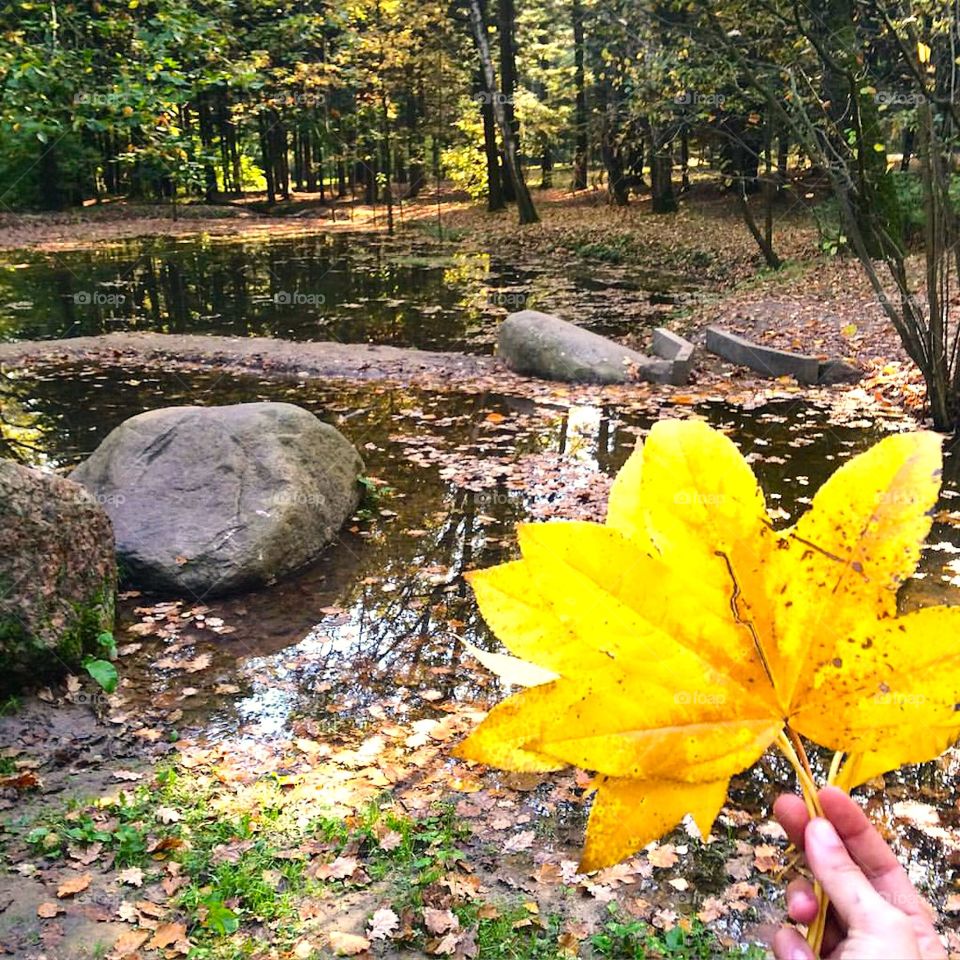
(58, 572)
(211, 500)
(545, 346)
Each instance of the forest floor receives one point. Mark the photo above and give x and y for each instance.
(129, 834)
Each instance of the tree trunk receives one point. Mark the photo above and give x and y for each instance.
(527, 211)
(506, 24)
(580, 111)
(661, 174)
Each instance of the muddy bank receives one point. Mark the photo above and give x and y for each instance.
(315, 359)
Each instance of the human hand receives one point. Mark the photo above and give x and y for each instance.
(875, 913)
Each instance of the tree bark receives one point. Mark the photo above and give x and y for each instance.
(580, 110)
(526, 210)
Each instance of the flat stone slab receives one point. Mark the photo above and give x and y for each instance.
(542, 345)
(671, 346)
(764, 360)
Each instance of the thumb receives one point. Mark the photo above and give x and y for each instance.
(851, 893)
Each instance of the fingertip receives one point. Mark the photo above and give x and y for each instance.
(791, 812)
(789, 945)
(802, 906)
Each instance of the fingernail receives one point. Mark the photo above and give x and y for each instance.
(799, 953)
(821, 831)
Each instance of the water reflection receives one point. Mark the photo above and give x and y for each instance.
(350, 287)
(383, 611)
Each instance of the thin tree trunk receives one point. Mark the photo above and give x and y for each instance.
(580, 111)
(525, 207)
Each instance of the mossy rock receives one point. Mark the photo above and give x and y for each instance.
(58, 574)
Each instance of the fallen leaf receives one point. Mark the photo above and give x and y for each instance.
(167, 934)
(74, 885)
(347, 944)
(382, 924)
(132, 876)
(48, 909)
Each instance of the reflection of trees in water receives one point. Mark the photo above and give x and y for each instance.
(21, 430)
(402, 637)
(350, 288)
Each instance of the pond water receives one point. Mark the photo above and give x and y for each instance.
(351, 287)
(382, 613)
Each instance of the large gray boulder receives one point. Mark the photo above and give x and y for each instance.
(545, 346)
(58, 572)
(211, 500)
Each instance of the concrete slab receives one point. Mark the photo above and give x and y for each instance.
(767, 361)
(671, 346)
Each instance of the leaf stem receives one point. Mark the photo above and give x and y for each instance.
(792, 748)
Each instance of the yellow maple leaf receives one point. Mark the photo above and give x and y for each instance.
(686, 635)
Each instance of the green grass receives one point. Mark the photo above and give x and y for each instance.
(627, 939)
(244, 883)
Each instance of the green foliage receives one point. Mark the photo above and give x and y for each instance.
(629, 939)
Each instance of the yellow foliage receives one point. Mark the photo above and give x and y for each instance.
(685, 634)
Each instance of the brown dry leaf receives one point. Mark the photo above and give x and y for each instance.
(383, 924)
(167, 815)
(132, 876)
(390, 840)
(166, 935)
(127, 912)
(766, 857)
(338, 869)
(439, 921)
(27, 780)
(739, 867)
(48, 910)
(347, 944)
(713, 908)
(568, 946)
(73, 885)
(663, 856)
(129, 942)
(87, 855)
(519, 841)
